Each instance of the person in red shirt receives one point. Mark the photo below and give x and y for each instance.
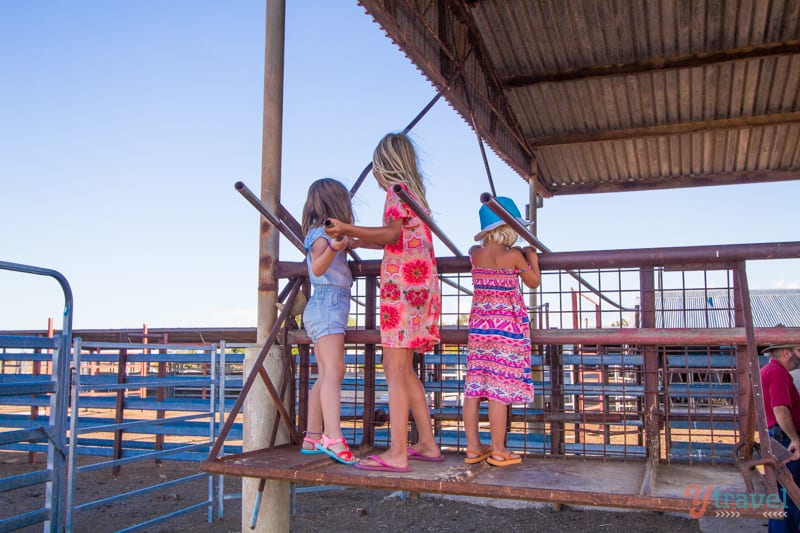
(782, 406)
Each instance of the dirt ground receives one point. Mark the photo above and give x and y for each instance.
(334, 510)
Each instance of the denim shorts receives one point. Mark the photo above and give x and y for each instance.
(326, 312)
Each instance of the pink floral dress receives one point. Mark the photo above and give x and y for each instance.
(410, 299)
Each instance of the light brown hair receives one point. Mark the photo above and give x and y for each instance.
(327, 198)
(395, 161)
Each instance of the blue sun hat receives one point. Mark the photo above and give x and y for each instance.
(490, 220)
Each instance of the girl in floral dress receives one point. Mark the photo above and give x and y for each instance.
(410, 301)
(499, 342)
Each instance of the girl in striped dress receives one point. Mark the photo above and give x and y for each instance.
(499, 343)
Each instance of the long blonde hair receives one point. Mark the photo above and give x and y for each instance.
(395, 161)
(327, 198)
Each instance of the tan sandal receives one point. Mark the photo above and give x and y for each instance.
(479, 455)
(509, 458)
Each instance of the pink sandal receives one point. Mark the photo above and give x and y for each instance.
(345, 456)
(313, 442)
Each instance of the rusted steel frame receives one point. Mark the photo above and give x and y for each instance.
(423, 215)
(576, 319)
(476, 129)
(370, 322)
(603, 337)
(304, 382)
(489, 201)
(414, 121)
(282, 412)
(554, 354)
(254, 373)
(745, 402)
(601, 259)
(769, 447)
(561, 418)
(451, 11)
(161, 395)
(458, 482)
(279, 224)
(287, 379)
(119, 407)
(652, 416)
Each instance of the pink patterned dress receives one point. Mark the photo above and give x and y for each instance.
(410, 300)
(499, 341)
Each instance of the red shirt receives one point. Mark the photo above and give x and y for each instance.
(779, 389)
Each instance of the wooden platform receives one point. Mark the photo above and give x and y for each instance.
(572, 480)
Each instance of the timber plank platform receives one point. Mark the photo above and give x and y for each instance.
(572, 480)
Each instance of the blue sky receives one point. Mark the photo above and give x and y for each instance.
(126, 124)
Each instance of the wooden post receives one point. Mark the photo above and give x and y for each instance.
(273, 512)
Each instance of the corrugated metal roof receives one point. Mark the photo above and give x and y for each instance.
(714, 308)
(598, 96)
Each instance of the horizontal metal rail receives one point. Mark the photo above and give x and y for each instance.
(643, 336)
(141, 423)
(24, 480)
(179, 512)
(150, 455)
(139, 492)
(30, 343)
(41, 386)
(26, 519)
(20, 435)
(489, 201)
(720, 256)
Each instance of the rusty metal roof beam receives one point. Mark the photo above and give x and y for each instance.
(667, 129)
(669, 63)
(455, 18)
(675, 182)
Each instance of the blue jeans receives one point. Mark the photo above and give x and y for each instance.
(791, 523)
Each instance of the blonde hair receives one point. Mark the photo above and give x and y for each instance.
(395, 161)
(503, 235)
(327, 198)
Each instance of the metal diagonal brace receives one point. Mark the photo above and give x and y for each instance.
(489, 200)
(270, 216)
(423, 215)
(295, 284)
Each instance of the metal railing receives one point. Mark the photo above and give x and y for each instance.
(53, 390)
(155, 402)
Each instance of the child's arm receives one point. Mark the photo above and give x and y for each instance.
(367, 237)
(322, 253)
(533, 276)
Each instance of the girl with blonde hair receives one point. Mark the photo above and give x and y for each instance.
(410, 301)
(499, 339)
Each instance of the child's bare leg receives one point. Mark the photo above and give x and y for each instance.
(395, 361)
(330, 358)
(470, 414)
(421, 412)
(314, 425)
(498, 414)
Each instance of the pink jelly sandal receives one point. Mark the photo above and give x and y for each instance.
(313, 442)
(344, 456)
(380, 465)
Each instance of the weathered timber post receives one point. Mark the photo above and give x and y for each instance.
(259, 412)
